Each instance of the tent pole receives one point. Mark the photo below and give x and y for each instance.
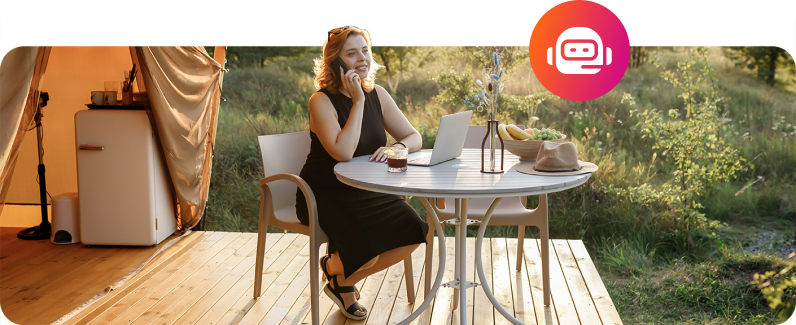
(220, 55)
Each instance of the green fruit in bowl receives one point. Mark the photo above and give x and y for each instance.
(547, 134)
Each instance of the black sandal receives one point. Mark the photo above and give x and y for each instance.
(326, 275)
(334, 294)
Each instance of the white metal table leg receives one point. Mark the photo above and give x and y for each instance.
(480, 268)
(438, 280)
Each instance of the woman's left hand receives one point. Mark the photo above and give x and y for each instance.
(379, 155)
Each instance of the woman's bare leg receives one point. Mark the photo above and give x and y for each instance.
(381, 262)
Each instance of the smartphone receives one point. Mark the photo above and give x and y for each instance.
(337, 64)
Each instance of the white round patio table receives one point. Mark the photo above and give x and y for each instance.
(459, 179)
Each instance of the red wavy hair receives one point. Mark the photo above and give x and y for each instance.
(325, 78)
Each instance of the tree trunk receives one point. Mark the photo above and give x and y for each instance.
(384, 61)
(639, 56)
(772, 65)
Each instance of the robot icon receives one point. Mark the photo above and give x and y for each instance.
(579, 50)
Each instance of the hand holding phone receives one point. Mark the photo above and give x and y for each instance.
(337, 64)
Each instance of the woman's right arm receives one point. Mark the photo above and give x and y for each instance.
(339, 143)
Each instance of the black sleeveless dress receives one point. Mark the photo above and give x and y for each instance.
(360, 224)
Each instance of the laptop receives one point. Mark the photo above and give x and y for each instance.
(449, 142)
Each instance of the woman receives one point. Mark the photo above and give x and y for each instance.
(368, 231)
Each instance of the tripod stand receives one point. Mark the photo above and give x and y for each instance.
(42, 231)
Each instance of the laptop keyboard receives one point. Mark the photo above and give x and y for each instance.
(425, 160)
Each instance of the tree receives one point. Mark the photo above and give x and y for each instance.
(399, 59)
(640, 53)
(765, 59)
(460, 90)
(510, 56)
(240, 57)
(690, 139)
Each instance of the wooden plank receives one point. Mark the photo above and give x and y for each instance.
(442, 312)
(246, 301)
(43, 268)
(277, 313)
(157, 302)
(300, 308)
(217, 293)
(185, 295)
(7, 234)
(483, 312)
(402, 308)
(77, 289)
(17, 253)
(244, 287)
(23, 268)
(140, 300)
(565, 307)
(297, 258)
(587, 313)
(176, 248)
(521, 288)
(157, 264)
(122, 299)
(385, 300)
(244, 270)
(533, 267)
(605, 306)
(300, 312)
(501, 280)
(58, 294)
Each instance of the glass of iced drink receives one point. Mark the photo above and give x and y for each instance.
(396, 159)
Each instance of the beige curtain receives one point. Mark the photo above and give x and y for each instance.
(184, 88)
(20, 79)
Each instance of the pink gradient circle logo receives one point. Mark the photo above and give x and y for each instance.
(579, 50)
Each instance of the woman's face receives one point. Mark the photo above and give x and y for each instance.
(356, 55)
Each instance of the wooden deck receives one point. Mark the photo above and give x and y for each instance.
(207, 278)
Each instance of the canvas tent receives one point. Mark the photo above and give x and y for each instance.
(181, 88)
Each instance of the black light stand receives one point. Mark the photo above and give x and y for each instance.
(43, 230)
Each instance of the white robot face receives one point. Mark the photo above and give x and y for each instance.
(579, 50)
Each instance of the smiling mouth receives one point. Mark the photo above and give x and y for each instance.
(362, 68)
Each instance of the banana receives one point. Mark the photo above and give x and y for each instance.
(517, 133)
(503, 133)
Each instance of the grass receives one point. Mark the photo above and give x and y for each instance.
(713, 291)
(651, 275)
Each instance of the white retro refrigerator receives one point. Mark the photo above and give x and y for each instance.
(124, 195)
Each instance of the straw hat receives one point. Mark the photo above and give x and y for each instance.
(557, 159)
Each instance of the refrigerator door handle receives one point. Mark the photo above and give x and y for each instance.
(87, 147)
